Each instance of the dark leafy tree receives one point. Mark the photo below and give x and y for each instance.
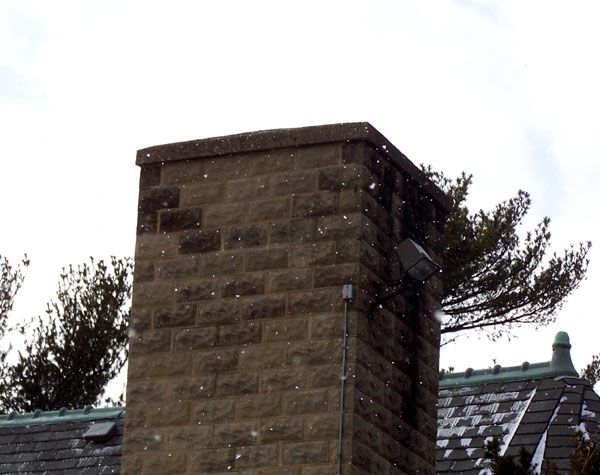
(506, 464)
(591, 372)
(585, 459)
(79, 346)
(494, 280)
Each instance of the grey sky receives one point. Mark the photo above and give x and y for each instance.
(505, 90)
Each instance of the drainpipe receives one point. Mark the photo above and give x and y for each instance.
(347, 296)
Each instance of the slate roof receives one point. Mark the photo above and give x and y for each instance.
(60, 442)
(539, 407)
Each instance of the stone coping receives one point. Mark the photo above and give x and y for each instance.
(63, 415)
(293, 137)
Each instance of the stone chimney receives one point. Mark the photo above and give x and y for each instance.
(243, 245)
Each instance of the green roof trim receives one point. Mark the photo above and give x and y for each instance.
(560, 366)
(63, 415)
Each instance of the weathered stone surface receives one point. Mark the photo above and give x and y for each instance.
(197, 290)
(243, 333)
(242, 285)
(294, 182)
(311, 254)
(256, 456)
(141, 320)
(312, 302)
(219, 312)
(150, 342)
(259, 405)
(154, 199)
(165, 463)
(263, 356)
(305, 452)
(309, 352)
(284, 379)
(338, 227)
(180, 220)
(212, 410)
(152, 293)
(168, 365)
(297, 230)
(263, 259)
(248, 189)
(175, 316)
(212, 460)
(194, 388)
(149, 177)
(250, 236)
(214, 361)
(143, 272)
(323, 426)
(288, 429)
(216, 216)
(189, 437)
(268, 306)
(195, 242)
(336, 275)
(306, 402)
(286, 329)
(154, 246)
(315, 204)
(175, 269)
(235, 434)
(319, 156)
(230, 384)
(269, 210)
(346, 177)
(289, 279)
(194, 338)
(145, 440)
(221, 263)
(168, 414)
(144, 391)
(194, 195)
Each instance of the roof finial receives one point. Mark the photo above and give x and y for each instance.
(561, 356)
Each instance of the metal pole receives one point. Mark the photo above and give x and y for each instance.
(347, 295)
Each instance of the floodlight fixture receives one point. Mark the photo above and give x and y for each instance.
(415, 261)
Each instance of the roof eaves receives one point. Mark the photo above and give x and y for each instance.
(63, 415)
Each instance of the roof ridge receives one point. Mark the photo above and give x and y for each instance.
(39, 417)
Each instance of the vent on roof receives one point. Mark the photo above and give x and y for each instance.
(100, 431)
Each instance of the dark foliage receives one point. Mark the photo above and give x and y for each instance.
(591, 372)
(585, 460)
(505, 464)
(78, 347)
(493, 280)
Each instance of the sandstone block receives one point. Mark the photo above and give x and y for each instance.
(269, 210)
(155, 246)
(323, 376)
(314, 204)
(231, 384)
(286, 330)
(240, 334)
(242, 285)
(194, 388)
(216, 216)
(212, 410)
(194, 195)
(194, 338)
(284, 379)
(346, 177)
(306, 402)
(170, 414)
(169, 365)
(235, 434)
(219, 312)
(294, 182)
(305, 452)
(261, 356)
(167, 463)
(248, 189)
(175, 269)
(312, 302)
(259, 405)
(311, 254)
(150, 342)
(288, 429)
(144, 440)
(297, 230)
(149, 177)
(337, 275)
(212, 460)
(189, 437)
(196, 242)
(256, 456)
(175, 316)
(272, 161)
(154, 199)
(180, 220)
(338, 227)
(144, 391)
(249, 236)
(197, 290)
(323, 426)
(264, 259)
(267, 306)
(290, 279)
(309, 352)
(221, 263)
(213, 361)
(143, 272)
(319, 156)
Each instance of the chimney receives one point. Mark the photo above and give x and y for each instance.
(244, 244)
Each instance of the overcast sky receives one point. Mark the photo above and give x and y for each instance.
(506, 90)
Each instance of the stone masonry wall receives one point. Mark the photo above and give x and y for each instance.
(237, 318)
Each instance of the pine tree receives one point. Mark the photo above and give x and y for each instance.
(494, 281)
(78, 347)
